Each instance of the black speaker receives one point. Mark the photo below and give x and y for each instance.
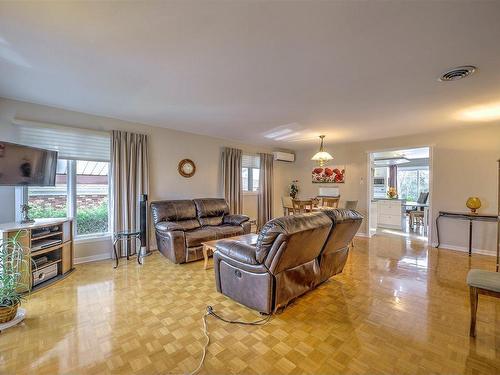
(143, 213)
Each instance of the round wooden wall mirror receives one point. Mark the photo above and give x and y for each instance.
(186, 168)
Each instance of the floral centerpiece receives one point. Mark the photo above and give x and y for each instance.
(293, 189)
(392, 193)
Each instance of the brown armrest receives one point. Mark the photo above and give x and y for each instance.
(238, 251)
(235, 219)
(168, 226)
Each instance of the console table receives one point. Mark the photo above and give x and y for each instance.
(464, 216)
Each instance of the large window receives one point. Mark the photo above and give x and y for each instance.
(250, 173)
(51, 201)
(82, 183)
(91, 190)
(412, 182)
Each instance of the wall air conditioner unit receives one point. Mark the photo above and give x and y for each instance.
(284, 156)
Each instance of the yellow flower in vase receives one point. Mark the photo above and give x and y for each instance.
(392, 193)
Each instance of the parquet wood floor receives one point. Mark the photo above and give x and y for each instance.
(398, 308)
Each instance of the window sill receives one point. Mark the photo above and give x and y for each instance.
(93, 238)
(250, 193)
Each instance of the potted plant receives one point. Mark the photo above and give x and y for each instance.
(293, 189)
(14, 276)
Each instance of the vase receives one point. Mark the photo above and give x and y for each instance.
(7, 313)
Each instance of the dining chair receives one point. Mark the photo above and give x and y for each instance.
(302, 206)
(330, 202)
(417, 214)
(481, 282)
(287, 204)
(351, 205)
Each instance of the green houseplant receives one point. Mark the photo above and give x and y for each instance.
(293, 189)
(14, 275)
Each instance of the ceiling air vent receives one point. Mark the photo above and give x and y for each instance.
(457, 73)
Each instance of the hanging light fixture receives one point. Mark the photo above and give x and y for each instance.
(322, 156)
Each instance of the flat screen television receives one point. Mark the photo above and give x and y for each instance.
(26, 166)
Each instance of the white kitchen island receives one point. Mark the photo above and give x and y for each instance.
(390, 214)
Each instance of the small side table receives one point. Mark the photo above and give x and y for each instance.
(127, 236)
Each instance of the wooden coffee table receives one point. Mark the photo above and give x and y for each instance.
(249, 239)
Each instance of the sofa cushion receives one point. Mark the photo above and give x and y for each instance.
(210, 211)
(211, 221)
(173, 210)
(225, 231)
(196, 236)
(189, 224)
(168, 226)
(235, 219)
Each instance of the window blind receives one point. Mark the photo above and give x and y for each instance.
(71, 143)
(250, 161)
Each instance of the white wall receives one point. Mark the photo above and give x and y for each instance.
(167, 148)
(7, 194)
(464, 164)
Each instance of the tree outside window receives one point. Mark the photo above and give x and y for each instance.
(412, 182)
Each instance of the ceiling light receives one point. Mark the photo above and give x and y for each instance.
(487, 112)
(322, 156)
(457, 73)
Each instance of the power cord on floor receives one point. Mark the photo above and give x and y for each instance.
(260, 322)
(210, 311)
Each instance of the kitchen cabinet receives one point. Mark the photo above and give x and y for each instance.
(390, 214)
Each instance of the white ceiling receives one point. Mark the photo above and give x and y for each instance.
(277, 73)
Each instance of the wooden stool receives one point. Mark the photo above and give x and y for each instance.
(481, 282)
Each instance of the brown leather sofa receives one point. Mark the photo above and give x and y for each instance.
(182, 225)
(293, 255)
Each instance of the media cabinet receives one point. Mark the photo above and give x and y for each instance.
(50, 244)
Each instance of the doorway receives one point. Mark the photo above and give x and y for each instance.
(399, 193)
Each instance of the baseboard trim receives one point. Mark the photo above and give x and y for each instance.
(95, 258)
(92, 258)
(464, 249)
(361, 234)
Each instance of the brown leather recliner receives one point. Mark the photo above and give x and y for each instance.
(334, 255)
(182, 225)
(293, 255)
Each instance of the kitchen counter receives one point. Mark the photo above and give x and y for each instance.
(387, 199)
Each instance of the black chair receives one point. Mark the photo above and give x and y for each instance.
(422, 199)
(418, 212)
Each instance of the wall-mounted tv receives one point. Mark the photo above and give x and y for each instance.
(26, 166)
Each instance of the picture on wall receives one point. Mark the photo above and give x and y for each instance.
(329, 175)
